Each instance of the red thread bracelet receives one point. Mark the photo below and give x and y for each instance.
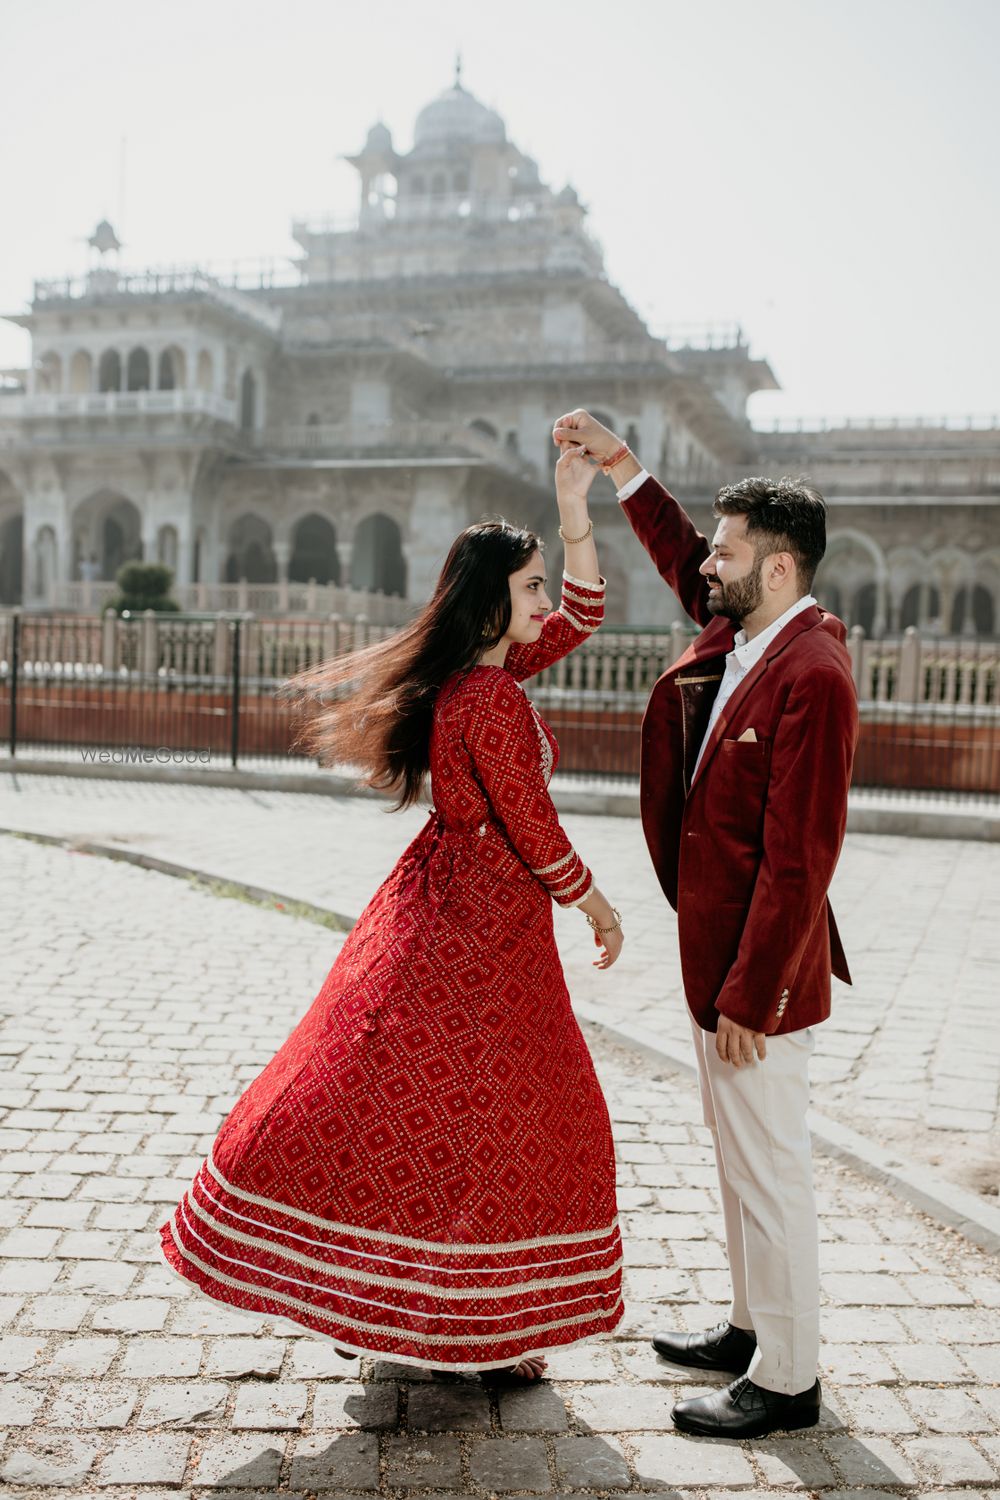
(615, 458)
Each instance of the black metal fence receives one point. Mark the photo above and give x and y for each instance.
(203, 690)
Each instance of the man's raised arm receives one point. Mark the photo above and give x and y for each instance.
(664, 528)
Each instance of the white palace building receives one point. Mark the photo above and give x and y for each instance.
(342, 420)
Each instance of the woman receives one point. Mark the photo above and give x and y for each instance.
(425, 1170)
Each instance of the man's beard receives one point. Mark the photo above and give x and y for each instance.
(738, 598)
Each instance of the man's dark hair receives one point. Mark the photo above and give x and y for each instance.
(783, 515)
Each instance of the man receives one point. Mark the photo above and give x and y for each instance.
(746, 753)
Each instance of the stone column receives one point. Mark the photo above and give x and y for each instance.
(437, 514)
(345, 551)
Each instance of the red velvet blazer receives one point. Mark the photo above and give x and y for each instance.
(746, 849)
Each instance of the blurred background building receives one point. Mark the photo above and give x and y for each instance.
(341, 418)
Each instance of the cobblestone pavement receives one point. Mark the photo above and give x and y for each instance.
(911, 1055)
(137, 1008)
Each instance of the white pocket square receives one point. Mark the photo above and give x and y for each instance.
(748, 735)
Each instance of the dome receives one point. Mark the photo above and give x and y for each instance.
(568, 196)
(379, 138)
(455, 117)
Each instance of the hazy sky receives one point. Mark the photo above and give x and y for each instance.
(825, 172)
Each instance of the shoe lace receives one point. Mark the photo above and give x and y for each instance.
(737, 1387)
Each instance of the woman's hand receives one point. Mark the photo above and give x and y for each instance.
(598, 907)
(580, 427)
(611, 944)
(574, 474)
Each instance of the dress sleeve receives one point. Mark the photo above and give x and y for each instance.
(578, 614)
(501, 736)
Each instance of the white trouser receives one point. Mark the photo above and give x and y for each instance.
(757, 1116)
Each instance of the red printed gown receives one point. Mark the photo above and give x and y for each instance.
(425, 1169)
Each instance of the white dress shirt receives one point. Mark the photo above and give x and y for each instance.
(745, 653)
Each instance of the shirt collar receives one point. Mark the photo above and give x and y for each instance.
(747, 653)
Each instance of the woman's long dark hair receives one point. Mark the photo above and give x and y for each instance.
(383, 723)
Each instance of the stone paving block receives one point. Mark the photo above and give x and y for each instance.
(515, 1463)
(275, 1404)
(421, 1463)
(29, 1244)
(80, 1355)
(870, 1461)
(444, 1407)
(146, 1458)
(794, 1463)
(49, 1458)
(110, 1278)
(591, 1463)
(387, 1369)
(89, 1244)
(229, 1358)
(348, 1403)
(983, 1360)
(20, 1403)
(655, 1285)
(537, 1408)
(922, 1362)
(18, 1353)
(869, 1325)
(240, 1462)
(56, 1313)
(961, 1325)
(183, 1403)
(27, 1276)
(193, 1316)
(622, 1408)
(935, 1291)
(877, 1410)
(46, 1215)
(590, 1361)
(855, 1364)
(311, 1359)
(671, 1461)
(949, 1410)
(949, 1461)
(866, 1290)
(164, 1356)
(87, 1403)
(136, 1315)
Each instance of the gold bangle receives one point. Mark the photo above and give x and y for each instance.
(614, 926)
(577, 538)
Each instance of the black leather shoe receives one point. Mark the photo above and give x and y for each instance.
(722, 1348)
(745, 1410)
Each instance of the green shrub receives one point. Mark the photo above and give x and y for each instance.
(143, 586)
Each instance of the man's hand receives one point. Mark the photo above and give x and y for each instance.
(574, 475)
(736, 1044)
(580, 427)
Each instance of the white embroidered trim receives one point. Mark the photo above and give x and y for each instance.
(580, 899)
(394, 1283)
(575, 621)
(569, 888)
(390, 1260)
(430, 1338)
(381, 1236)
(585, 583)
(595, 603)
(547, 869)
(544, 746)
(289, 1325)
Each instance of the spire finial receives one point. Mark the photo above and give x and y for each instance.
(458, 70)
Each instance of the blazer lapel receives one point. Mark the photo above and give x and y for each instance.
(803, 621)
